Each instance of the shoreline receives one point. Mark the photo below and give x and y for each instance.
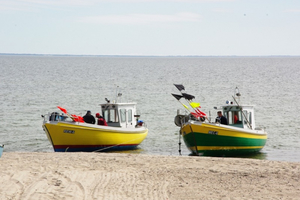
(139, 176)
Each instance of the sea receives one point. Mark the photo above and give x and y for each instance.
(34, 85)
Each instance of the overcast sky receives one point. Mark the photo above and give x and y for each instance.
(150, 27)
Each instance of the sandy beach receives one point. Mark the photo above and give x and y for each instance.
(130, 176)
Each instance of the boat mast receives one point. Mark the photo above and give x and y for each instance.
(118, 95)
(238, 94)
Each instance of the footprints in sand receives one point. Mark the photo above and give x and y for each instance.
(6, 193)
(51, 185)
(88, 176)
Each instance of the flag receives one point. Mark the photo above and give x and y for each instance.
(195, 114)
(62, 109)
(195, 104)
(188, 96)
(179, 87)
(186, 107)
(200, 113)
(177, 96)
(77, 118)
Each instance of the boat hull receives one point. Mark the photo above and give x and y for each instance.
(74, 137)
(221, 140)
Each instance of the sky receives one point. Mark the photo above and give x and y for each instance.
(151, 27)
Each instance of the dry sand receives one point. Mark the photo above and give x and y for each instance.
(129, 176)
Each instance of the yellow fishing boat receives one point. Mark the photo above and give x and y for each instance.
(124, 130)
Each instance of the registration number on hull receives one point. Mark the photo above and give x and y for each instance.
(213, 132)
(69, 131)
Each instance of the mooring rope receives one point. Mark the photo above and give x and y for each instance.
(102, 149)
(179, 143)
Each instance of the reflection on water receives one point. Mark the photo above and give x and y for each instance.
(257, 155)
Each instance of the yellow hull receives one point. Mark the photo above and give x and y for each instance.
(73, 136)
(229, 131)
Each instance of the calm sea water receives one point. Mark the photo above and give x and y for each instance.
(34, 85)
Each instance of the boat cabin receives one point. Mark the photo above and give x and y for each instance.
(239, 116)
(120, 114)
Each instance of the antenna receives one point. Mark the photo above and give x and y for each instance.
(237, 93)
(118, 95)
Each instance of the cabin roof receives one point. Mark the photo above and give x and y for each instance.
(235, 107)
(132, 104)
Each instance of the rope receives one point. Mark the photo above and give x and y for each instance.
(179, 143)
(102, 149)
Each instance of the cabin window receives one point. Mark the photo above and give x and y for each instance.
(250, 117)
(234, 117)
(111, 115)
(237, 117)
(129, 115)
(247, 117)
(123, 115)
(229, 117)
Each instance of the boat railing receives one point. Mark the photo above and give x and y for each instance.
(184, 117)
(54, 116)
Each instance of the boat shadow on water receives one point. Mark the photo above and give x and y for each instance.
(132, 151)
(256, 155)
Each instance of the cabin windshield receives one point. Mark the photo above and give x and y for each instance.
(129, 115)
(111, 115)
(126, 117)
(239, 116)
(123, 115)
(119, 115)
(234, 116)
(248, 115)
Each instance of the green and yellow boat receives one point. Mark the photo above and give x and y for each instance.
(239, 136)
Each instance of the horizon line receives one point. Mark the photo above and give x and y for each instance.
(89, 55)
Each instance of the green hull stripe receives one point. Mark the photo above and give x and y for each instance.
(198, 139)
(217, 144)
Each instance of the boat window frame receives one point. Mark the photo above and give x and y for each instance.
(230, 112)
(228, 115)
(123, 115)
(250, 117)
(111, 115)
(245, 114)
(129, 114)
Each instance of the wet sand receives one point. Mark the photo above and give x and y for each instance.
(135, 176)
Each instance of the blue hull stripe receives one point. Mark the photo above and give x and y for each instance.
(91, 148)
